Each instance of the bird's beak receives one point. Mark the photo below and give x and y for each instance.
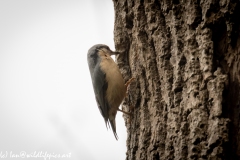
(115, 53)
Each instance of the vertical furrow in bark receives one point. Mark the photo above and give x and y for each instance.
(154, 82)
(143, 77)
(161, 42)
(174, 23)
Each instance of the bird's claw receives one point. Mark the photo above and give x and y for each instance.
(129, 81)
(128, 113)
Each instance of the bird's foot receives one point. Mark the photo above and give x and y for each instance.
(128, 113)
(129, 81)
(127, 84)
(125, 112)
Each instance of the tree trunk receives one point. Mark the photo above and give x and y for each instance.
(185, 58)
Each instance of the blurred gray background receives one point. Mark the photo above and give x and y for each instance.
(46, 97)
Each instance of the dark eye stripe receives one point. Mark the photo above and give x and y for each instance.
(102, 47)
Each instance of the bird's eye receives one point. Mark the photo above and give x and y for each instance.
(92, 55)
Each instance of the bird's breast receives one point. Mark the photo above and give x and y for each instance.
(116, 89)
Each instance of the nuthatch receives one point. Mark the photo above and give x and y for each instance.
(108, 83)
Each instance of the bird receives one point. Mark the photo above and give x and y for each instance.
(108, 83)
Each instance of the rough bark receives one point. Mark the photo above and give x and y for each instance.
(185, 58)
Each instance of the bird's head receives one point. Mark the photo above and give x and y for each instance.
(99, 49)
(96, 52)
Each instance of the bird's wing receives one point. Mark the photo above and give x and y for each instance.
(100, 86)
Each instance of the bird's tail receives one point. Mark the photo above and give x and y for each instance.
(113, 126)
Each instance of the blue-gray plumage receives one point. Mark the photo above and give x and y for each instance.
(108, 83)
